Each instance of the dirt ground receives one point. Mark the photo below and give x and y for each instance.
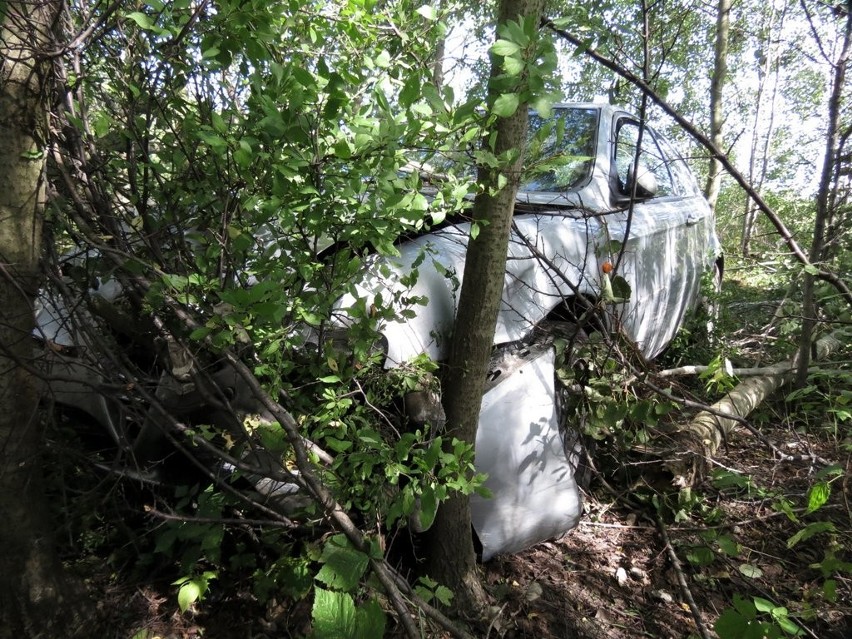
(611, 577)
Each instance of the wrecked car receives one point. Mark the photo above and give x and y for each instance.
(610, 232)
(608, 214)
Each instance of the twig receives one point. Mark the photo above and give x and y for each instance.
(681, 578)
(601, 524)
(239, 521)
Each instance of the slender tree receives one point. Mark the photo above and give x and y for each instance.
(824, 195)
(720, 71)
(452, 555)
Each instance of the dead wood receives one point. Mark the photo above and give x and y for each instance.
(701, 438)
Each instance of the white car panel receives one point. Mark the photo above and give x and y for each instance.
(530, 476)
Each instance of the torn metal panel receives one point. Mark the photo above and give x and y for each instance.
(530, 474)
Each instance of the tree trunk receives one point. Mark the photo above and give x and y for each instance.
(809, 307)
(699, 440)
(34, 599)
(452, 559)
(763, 117)
(720, 70)
(440, 53)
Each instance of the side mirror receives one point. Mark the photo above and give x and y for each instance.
(646, 182)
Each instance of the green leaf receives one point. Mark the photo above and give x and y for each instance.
(342, 149)
(444, 595)
(200, 333)
(700, 556)
(810, 269)
(336, 617)
(621, 289)
(728, 546)
(829, 590)
(763, 605)
(817, 496)
(189, 593)
(745, 607)
(543, 106)
(428, 507)
(333, 614)
(427, 11)
(506, 105)
(732, 625)
(751, 571)
(144, 21)
(788, 626)
(37, 154)
(383, 60)
(513, 66)
(514, 30)
(369, 621)
(343, 566)
(219, 124)
(505, 48)
(809, 531)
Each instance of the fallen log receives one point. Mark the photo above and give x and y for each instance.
(700, 439)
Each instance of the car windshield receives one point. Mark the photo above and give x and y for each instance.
(561, 150)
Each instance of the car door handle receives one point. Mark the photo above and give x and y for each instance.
(692, 220)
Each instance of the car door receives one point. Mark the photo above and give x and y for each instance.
(662, 221)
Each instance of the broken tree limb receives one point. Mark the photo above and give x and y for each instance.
(704, 434)
(684, 371)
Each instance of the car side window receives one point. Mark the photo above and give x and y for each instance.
(684, 181)
(651, 158)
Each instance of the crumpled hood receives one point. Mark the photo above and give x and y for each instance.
(550, 255)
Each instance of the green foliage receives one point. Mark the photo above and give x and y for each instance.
(825, 403)
(431, 591)
(193, 588)
(719, 377)
(335, 613)
(608, 407)
(336, 616)
(254, 160)
(343, 566)
(382, 467)
(757, 618)
(191, 541)
(528, 65)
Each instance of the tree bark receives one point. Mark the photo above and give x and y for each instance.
(708, 430)
(34, 596)
(720, 70)
(816, 254)
(452, 560)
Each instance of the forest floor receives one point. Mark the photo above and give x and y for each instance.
(614, 576)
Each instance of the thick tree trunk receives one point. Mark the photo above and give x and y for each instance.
(34, 598)
(452, 560)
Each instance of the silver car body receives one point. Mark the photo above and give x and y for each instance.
(556, 251)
